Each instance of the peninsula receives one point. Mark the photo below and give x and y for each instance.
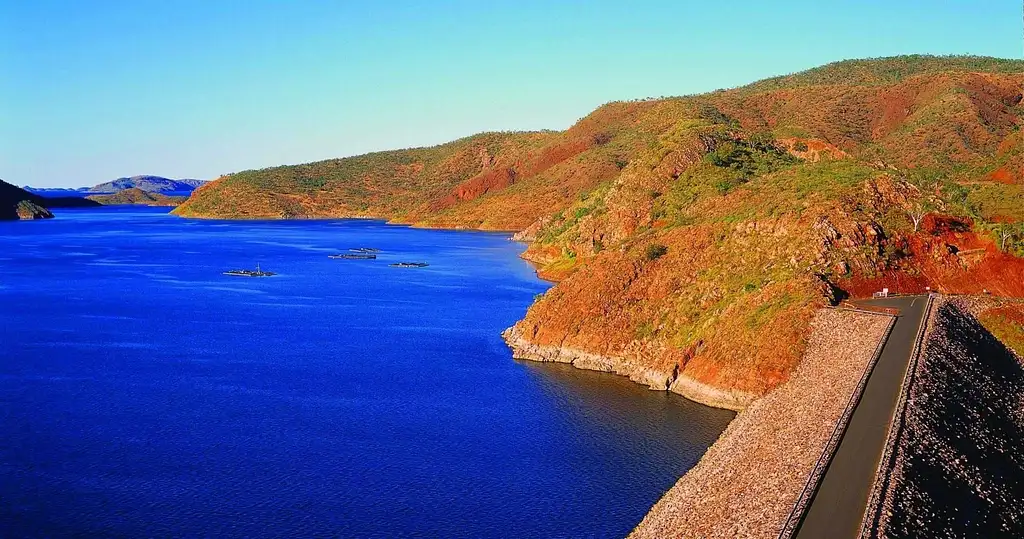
(17, 203)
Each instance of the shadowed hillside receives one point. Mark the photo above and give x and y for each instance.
(16, 203)
(695, 236)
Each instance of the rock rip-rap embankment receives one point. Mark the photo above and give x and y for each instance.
(957, 469)
(747, 483)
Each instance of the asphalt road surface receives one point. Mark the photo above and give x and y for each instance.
(837, 508)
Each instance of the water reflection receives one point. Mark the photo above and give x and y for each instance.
(637, 439)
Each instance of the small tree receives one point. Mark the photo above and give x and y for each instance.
(655, 251)
(928, 184)
(1011, 233)
(917, 212)
(928, 181)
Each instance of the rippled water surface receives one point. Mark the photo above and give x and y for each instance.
(143, 393)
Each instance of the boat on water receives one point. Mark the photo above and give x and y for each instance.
(250, 273)
(364, 250)
(354, 256)
(409, 265)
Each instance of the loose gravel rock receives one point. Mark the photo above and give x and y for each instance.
(747, 483)
(958, 468)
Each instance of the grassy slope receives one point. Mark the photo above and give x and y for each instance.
(767, 200)
(1007, 324)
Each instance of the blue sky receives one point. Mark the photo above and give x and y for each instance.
(94, 90)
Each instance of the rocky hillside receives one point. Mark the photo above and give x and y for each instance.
(16, 203)
(134, 195)
(694, 237)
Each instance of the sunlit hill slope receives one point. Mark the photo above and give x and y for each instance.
(693, 237)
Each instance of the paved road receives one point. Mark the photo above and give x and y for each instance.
(838, 506)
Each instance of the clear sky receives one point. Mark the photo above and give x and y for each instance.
(93, 90)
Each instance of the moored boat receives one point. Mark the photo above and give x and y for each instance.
(354, 256)
(249, 273)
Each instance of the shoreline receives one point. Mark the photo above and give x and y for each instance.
(655, 379)
(386, 220)
(522, 348)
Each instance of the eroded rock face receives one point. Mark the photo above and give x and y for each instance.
(523, 348)
(27, 210)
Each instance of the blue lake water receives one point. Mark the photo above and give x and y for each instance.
(143, 393)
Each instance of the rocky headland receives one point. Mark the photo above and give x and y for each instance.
(16, 203)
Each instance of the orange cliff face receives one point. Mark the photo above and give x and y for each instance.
(693, 238)
(948, 256)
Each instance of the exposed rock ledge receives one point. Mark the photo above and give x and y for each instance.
(695, 390)
(657, 379)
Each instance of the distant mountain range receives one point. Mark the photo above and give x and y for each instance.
(149, 184)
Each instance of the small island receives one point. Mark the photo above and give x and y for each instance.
(137, 196)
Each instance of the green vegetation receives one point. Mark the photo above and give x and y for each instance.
(644, 331)
(996, 201)
(1007, 324)
(768, 311)
(746, 159)
(1010, 237)
(591, 203)
(877, 71)
(654, 251)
